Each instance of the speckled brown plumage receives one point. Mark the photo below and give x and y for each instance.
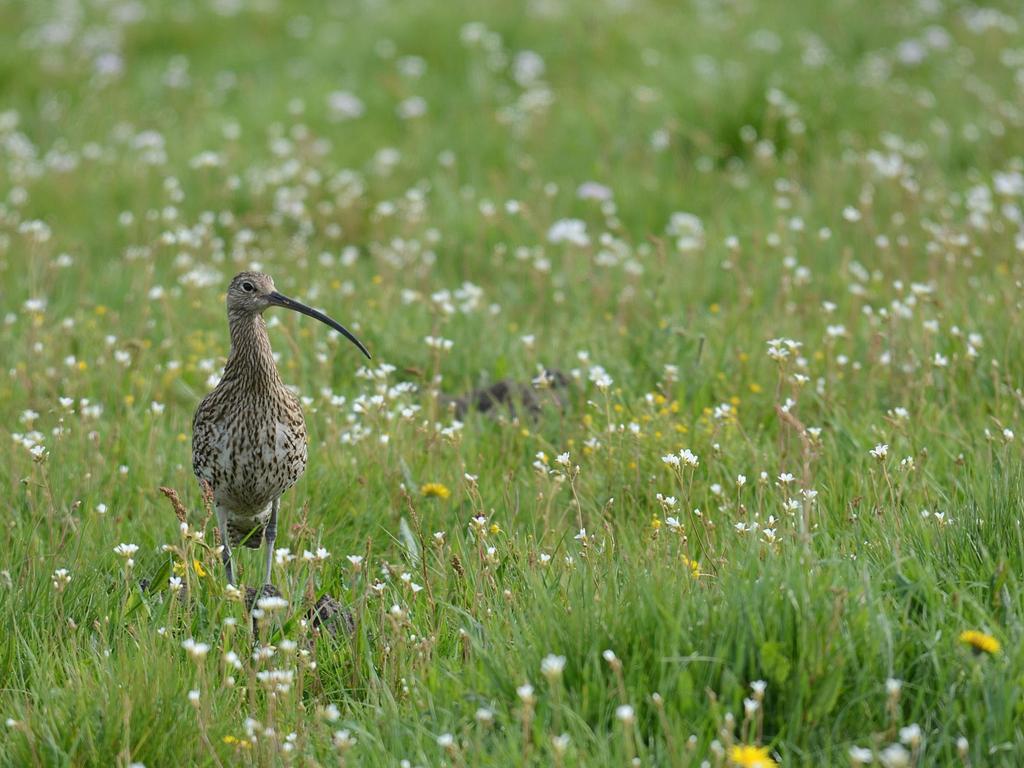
(248, 434)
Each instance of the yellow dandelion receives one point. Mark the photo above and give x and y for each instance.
(749, 756)
(198, 567)
(655, 523)
(495, 529)
(435, 491)
(980, 642)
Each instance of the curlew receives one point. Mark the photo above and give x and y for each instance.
(248, 434)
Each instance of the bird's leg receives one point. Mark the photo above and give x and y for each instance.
(225, 545)
(269, 535)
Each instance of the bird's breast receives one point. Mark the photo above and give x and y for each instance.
(257, 453)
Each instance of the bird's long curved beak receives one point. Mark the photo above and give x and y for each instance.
(279, 300)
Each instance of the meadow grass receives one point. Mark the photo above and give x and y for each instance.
(775, 247)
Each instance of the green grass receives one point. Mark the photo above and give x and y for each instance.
(775, 141)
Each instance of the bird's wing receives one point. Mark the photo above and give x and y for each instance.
(204, 438)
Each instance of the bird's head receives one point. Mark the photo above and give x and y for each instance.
(250, 293)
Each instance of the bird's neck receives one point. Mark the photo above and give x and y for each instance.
(251, 356)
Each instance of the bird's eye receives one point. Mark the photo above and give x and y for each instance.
(247, 287)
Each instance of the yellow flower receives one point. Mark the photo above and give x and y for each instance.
(179, 568)
(693, 566)
(655, 522)
(749, 756)
(235, 741)
(980, 642)
(435, 491)
(495, 529)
